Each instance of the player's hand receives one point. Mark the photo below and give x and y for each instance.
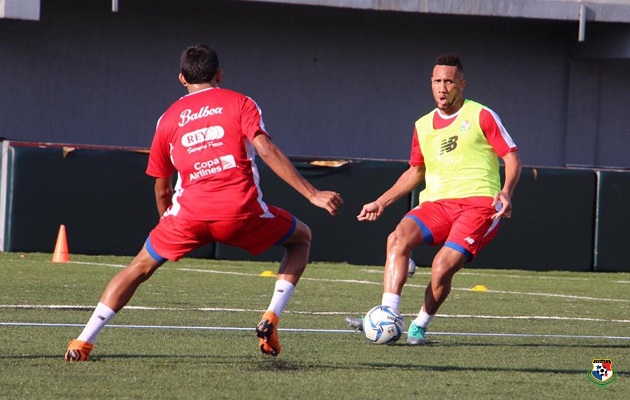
(502, 203)
(329, 201)
(371, 211)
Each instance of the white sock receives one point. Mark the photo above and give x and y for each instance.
(101, 316)
(423, 319)
(281, 296)
(391, 300)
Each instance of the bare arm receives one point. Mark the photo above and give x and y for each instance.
(283, 167)
(513, 168)
(408, 181)
(163, 193)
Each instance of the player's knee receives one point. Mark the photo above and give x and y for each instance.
(443, 268)
(302, 235)
(307, 233)
(141, 271)
(398, 242)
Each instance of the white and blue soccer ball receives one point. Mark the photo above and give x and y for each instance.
(383, 325)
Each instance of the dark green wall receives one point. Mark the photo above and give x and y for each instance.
(613, 218)
(564, 219)
(102, 196)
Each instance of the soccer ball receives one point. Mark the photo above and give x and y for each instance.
(382, 325)
(412, 268)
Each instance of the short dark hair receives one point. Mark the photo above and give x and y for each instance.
(199, 63)
(450, 59)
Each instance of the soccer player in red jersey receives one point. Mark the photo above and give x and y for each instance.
(455, 151)
(209, 139)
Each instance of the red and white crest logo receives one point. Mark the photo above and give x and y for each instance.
(602, 372)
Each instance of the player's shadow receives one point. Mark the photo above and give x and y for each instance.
(214, 359)
(292, 366)
(447, 368)
(268, 364)
(593, 345)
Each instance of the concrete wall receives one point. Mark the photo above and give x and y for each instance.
(331, 81)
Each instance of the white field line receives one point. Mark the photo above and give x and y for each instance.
(97, 264)
(421, 286)
(218, 309)
(303, 330)
(376, 271)
(482, 274)
(587, 298)
(213, 309)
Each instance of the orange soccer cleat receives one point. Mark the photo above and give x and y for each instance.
(78, 351)
(267, 332)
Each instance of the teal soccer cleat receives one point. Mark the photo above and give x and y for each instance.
(415, 335)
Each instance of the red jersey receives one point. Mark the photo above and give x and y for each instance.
(206, 138)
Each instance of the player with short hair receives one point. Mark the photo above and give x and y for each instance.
(455, 151)
(209, 138)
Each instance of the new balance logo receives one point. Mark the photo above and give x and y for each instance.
(448, 145)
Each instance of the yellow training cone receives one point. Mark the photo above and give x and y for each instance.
(267, 274)
(479, 288)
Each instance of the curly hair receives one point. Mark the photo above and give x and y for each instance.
(199, 63)
(450, 59)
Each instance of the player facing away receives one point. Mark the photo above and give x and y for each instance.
(209, 137)
(455, 151)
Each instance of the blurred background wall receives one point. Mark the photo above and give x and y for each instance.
(342, 79)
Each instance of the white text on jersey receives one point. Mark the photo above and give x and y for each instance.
(187, 115)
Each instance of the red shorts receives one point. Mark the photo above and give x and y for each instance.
(174, 237)
(461, 224)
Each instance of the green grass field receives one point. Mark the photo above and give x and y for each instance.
(189, 334)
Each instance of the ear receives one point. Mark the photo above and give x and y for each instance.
(462, 84)
(218, 77)
(182, 79)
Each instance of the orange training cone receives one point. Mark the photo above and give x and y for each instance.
(61, 248)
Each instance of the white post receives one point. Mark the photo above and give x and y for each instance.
(582, 19)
